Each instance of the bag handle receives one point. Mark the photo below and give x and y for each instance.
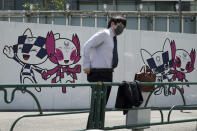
(145, 67)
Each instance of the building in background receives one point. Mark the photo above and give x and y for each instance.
(153, 15)
(113, 5)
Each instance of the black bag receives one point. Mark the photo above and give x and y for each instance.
(128, 95)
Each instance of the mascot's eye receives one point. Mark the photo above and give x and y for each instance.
(20, 48)
(59, 55)
(166, 66)
(33, 50)
(73, 55)
(178, 62)
(188, 65)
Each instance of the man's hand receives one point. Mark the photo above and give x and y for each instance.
(87, 71)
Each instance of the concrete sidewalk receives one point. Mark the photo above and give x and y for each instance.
(78, 121)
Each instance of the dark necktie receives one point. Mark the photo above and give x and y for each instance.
(115, 54)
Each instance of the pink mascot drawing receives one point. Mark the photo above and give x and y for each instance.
(183, 63)
(64, 53)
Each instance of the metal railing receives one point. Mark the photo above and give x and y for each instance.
(98, 98)
(138, 20)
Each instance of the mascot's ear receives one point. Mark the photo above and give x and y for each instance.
(50, 47)
(75, 40)
(50, 43)
(173, 49)
(28, 32)
(193, 56)
(148, 59)
(190, 65)
(145, 55)
(167, 47)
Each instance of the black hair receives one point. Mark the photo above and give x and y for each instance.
(116, 20)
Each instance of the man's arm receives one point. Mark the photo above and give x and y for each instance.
(93, 42)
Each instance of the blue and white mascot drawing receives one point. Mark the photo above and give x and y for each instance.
(29, 52)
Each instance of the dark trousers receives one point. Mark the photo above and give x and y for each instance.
(99, 75)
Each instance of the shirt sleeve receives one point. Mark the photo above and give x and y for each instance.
(93, 42)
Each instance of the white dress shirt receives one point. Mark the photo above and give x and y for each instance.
(98, 50)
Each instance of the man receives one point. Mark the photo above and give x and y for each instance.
(100, 55)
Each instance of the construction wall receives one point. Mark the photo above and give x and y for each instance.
(25, 58)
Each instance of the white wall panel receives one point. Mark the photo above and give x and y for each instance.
(130, 61)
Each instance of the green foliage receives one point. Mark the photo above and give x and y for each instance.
(59, 4)
(30, 6)
(46, 5)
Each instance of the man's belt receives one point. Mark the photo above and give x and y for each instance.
(101, 70)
